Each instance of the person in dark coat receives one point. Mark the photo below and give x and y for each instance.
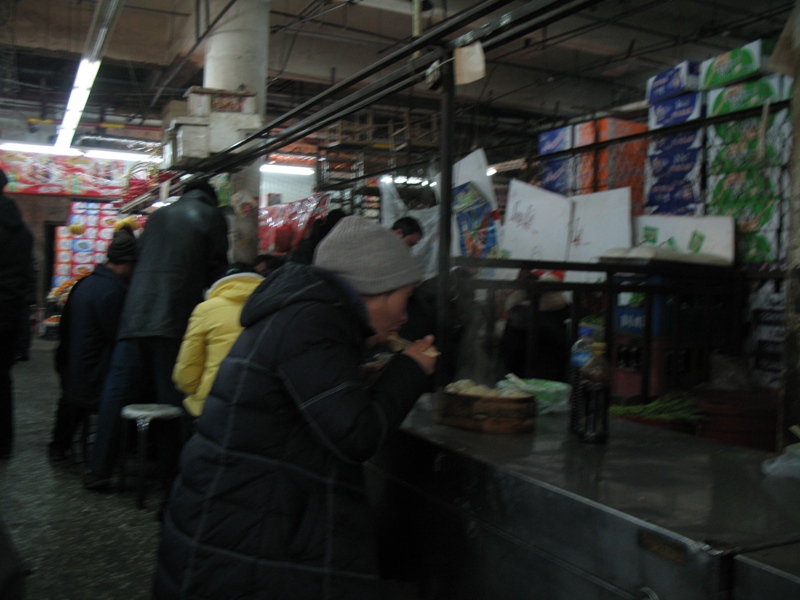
(269, 502)
(409, 230)
(182, 251)
(24, 338)
(550, 356)
(16, 258)
(304, 253)
(87, 332)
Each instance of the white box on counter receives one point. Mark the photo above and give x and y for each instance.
(709, 235)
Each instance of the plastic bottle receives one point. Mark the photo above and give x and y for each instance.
(580, 352)
(594, 391)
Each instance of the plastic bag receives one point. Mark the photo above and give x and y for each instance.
(728, 373)
(427, 250)
(282, 226)
(785, 465)
(551, 396)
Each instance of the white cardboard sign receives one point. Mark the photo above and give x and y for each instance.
(536, 223)
(600, 221)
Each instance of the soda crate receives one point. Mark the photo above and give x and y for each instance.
(629, 319)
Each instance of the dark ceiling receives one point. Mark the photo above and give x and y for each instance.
(587, 58)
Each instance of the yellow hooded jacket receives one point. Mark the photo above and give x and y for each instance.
(213, 327)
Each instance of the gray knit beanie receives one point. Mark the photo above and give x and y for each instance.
(370, 258)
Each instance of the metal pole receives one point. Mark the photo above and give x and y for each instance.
(443, 324)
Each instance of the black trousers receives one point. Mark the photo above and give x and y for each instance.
(9, 330)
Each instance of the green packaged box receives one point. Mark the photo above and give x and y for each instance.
(750, 197)
(736, 65)
(748, 94)
(745, 155)
(777, 127)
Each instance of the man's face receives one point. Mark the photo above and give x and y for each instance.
(410, 240)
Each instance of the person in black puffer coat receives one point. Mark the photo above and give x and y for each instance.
(269, 502)
(16, 250)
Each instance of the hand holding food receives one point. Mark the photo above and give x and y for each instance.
(423, 351)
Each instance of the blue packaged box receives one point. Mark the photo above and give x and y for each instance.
(676, 142)
(677, 164)
(676, 110)
(557, 175)
(682, 78)
(672, 197)
(555, 140)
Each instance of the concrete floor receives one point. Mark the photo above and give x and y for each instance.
(78, 544)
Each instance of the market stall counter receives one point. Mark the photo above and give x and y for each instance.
(650, 514)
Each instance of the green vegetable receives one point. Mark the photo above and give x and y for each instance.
(674, 406)
(596, 320)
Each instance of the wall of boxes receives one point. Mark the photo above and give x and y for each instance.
(77, 254)
(737, 167)
(696, 162)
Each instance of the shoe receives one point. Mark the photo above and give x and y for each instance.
(97, 483)
(57, 452)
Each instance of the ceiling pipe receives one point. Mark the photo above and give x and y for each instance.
(508, 27)
(433, 35)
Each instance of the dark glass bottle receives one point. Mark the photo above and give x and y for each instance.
(580, 353)
(594, 385)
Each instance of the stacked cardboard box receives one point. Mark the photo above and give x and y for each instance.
(76, 254)
(672, 173)
(746, 159)
(614, 166)
(673, 96)
(557, 174)
(674, 161)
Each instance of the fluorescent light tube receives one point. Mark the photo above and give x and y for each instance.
(37, 149)
(84, 79)
(87, 71)
(77, 100)
(129, 156)
(286, 170)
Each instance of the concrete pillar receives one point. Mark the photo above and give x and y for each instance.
(237, 54)
(786, 60)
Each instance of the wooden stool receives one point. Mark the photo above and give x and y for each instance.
(143, 414)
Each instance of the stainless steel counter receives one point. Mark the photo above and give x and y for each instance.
(772, 573)
(540, 515)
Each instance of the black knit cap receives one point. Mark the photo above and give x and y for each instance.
(123, 248)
